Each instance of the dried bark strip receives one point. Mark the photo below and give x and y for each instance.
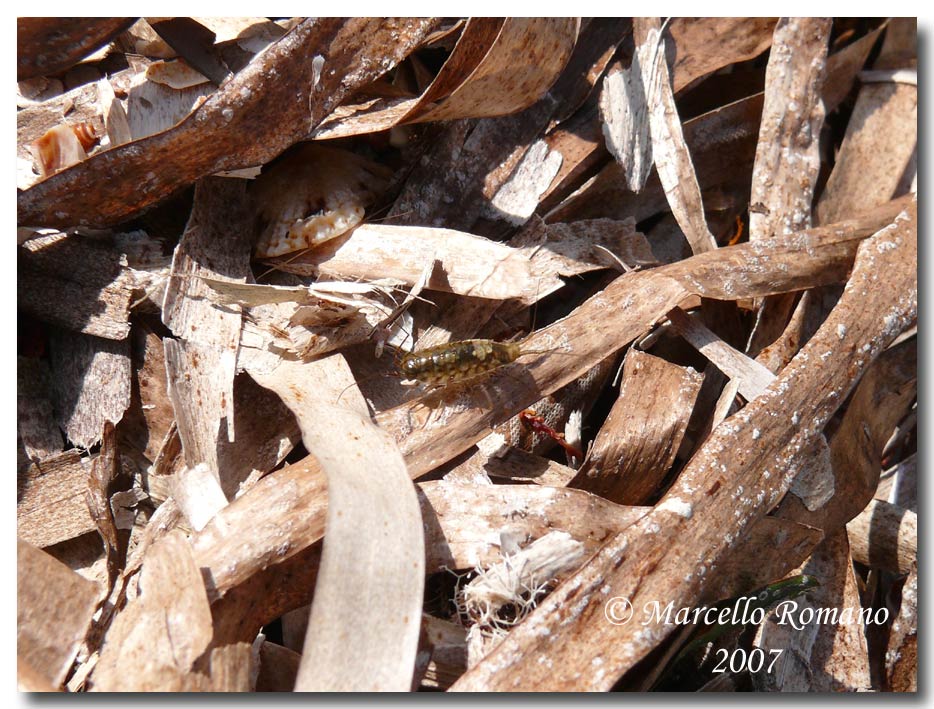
(885, 536)
(751, 378)
(788, 156)
(191, 371)
(722, 144)
(470, 265)
(879, 146)
(370, 116)
(357, 640)
(150, 416)
(76, 283)
(106, 479)
(452, 513)
(843, 66)
(269, 591)
(672, 159)
(707, 504)
(231, 667)
(624, 116)
(638, 442)
(535, 50)
(701, 45)
(541, 45)
(625, 309)
(901, 658)
(447, 643)
(48, 45)
(266, 430)
(454, 183)
(466, 524)
(215, 244)
(54, 608)
(271, 100)
(899, 484)
(772, 549)
(572, 249)
(882, 398)
(278, 667)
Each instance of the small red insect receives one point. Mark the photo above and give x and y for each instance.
(530, 418)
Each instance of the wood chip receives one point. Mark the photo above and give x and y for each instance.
(155, 640)
(36, 426)
(77, 284)
(50, 505)
(90, 384)
(54, 609)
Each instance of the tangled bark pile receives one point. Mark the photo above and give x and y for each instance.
(703, 235)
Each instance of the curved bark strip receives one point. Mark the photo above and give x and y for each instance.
(274, 102)
(48, 45)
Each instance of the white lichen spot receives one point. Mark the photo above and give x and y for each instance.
(756, 433)
(795, 418)
(680, 507)
(883, 246)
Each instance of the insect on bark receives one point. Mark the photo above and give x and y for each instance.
(456, 362)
